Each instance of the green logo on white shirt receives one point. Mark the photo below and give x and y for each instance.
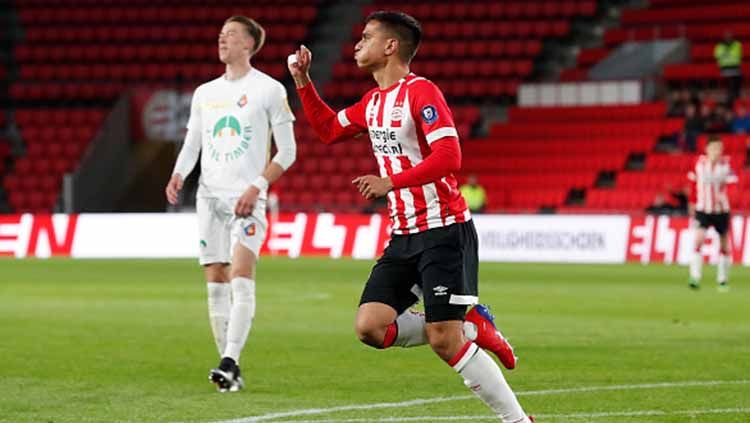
(229, 141)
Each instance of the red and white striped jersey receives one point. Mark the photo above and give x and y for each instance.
(709, 184)
(403, 121)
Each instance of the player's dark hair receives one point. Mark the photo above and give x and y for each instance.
(253, 29)
(713, 138)
(407, 30)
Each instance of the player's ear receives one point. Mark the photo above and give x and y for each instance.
(391, 46)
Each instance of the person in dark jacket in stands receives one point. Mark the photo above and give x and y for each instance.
(695, 124)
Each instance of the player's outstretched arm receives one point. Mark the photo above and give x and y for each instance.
(329, 125)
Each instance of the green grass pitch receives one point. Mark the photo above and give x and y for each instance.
(129, 341)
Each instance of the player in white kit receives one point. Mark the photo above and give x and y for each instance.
(709, 203)
(231, 122)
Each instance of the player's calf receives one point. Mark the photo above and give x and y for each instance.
(446, 338)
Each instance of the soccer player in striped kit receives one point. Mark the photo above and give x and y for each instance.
(433, 250)
(709, 204)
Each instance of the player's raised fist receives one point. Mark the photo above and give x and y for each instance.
(299, 65)
(173, 188)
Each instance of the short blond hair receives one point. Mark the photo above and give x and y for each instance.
(253, 29)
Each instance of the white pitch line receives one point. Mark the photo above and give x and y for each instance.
(410, 403)
(634, 413)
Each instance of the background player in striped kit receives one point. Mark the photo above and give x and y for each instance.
(433, 250)
(709, 204)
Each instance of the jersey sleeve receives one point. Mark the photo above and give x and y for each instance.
(430, 112)
(329, 125)
(191, 147)
(278, 106)
(194, 121)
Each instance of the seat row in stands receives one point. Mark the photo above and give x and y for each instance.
(168, 33)
(158, 15)
(143, 54)
(647, 111)
(591, 129)
(440, 11)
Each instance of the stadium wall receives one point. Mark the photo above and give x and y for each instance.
(503, 238)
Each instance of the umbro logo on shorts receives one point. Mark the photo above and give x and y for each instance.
(440, 290)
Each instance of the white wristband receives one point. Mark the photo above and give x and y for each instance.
(261, 183)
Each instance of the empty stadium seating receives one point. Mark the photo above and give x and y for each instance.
(99, 51)
(702, 24)
(55, 141)
(543, 153)
(495, 42)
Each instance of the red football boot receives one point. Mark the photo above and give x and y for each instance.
(489, 338)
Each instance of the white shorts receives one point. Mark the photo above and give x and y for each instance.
(219, 229)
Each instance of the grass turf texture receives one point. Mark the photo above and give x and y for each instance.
(129, 341)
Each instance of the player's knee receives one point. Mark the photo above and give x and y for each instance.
(368, 333)
(216, 272)
(241, 273)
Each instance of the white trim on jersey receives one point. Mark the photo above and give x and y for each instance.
(343, 120)
(443, 132)
(434, 220)
(406, 198)
(419, 78)
(463, 299)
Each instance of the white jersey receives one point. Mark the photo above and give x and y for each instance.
(709, 184)
(231, 121)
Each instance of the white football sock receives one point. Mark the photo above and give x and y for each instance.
(411, 329)
(722, 268)
(219, 302)
(240, 317)
(482, 375)
(696, 265)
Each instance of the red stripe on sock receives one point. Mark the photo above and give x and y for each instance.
(460, 354)
(390, 335)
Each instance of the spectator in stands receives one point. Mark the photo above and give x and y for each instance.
(475, 195)
(741, 122)
(659, 206)
(728, 54)
(679, 102)
(694, 125)
(715, 121)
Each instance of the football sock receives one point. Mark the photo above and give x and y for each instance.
(696, 265)
(219, 302)
(240, 316)
(407, 331)
(483, 377)
(722, 269)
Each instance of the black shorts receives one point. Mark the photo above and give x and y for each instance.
(720, 221)
(439, 264)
